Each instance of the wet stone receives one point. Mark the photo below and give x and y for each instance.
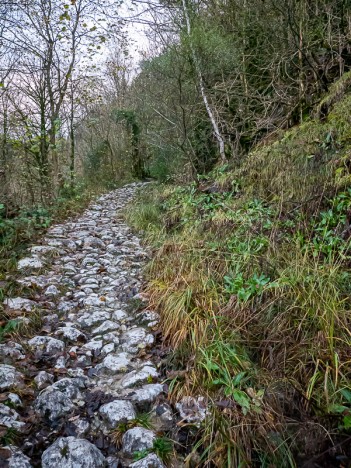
(10, 418)
(136, 339)
(113, 363)
(18, 459)
(81, 427)
(90, 319)
(162, 417)
(93, 346)
(192, 410)
(105, 327)
(71, 334)
(53, 404)
(9, 377)
(150, 461)
(14, 400)
(43, 379)
(11, 351)
(116, 412)
(30, 263)
(136, 440)
(70, 452)
(19, 303)
(139, 376)
(46, 345)
(143, 397)
(52, 291)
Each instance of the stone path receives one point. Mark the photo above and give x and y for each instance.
(67, 390)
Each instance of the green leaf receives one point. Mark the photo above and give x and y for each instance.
(346, 393)
(238, 378)
(337, 409)
(241, 398)
(347, 421)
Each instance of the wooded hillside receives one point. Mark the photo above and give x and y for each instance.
(239, 113)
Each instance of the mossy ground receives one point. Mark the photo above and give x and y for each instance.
(251, 275)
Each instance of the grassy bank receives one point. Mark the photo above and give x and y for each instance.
(251, 275)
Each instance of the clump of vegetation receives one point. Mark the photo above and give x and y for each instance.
(163, 447)
(141, 420)
(9, 327)
(251, 278)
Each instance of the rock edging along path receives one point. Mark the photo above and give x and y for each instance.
(66, 390)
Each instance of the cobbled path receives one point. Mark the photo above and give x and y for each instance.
(68, 389)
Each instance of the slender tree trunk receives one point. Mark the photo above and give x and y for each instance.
(72, 141)
(210, 113)
(3, 159)
(303, 14)
(43, 159)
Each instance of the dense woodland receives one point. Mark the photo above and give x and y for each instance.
(239, 111)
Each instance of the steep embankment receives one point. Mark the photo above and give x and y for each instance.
(251, 278)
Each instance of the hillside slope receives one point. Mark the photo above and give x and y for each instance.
(251, 275)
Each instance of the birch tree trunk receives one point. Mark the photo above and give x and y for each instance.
(210, 113)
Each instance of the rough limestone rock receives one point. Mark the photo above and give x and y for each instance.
(192, 410)
(148, 318)
(116, 412)
(71, 334)
(69, 387)
(43, 250)
(14, 400)
(39, 282)
(105, 327)
(91, 319)
(108, 349)
(162, 417)
(52, 291)
(93, 347)
(81, 427)
(20, 303)
(11, 351)
(135, 339)
(113, 363)
(46, 345)
(151, 461)
(10, 418)
(70, 452)
(30, 263)
(53, 404)
(9, 377)
(136, 440)
(18, 459)
(93, 242)
(143, 397)
(139, 376)
(43, 379)
(119, 315)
